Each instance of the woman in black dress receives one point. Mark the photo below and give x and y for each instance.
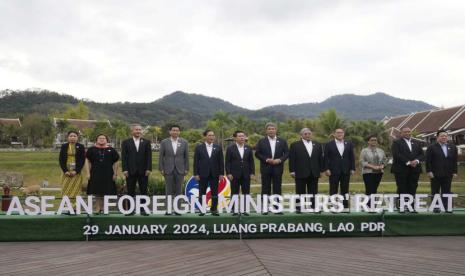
(103, 167)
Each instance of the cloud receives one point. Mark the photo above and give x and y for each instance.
(252, 53)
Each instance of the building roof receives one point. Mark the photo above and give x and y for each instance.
(429, 121)
(436, 120)
(10, 122)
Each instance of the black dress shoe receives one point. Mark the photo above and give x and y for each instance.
(246, 214)
(235, 214)
(215, 213)
(201, 214)
(168, 214)
(177, 214)
(144, 214)
(298, 212)
(265, 213)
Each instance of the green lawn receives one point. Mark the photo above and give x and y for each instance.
(38, 165)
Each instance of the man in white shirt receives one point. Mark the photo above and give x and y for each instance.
(406, 166)
(136, 159)
(209, 168)
(272, 151)
(306, 165)
(239, 165)
(339, 164)
(173, 162)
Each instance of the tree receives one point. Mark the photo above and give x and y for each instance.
(80, 111)
(38, 130)
(154, 132)
(327, 122)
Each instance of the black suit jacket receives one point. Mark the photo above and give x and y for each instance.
(263, 152)
(204, 165)
(401, 154)
(438, 163)
(302, 164)
(336, 163)
(80, 157)
(133, 161)
(238, 166)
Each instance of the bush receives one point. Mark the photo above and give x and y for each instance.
(155, 186)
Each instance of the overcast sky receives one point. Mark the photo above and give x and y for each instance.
(251, 53)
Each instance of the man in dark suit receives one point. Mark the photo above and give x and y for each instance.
(240, 167)
(441, 165)
(136, 158)
(272, 152)
(209, 168)
(339, 164)
(306, 165)
(406, 167)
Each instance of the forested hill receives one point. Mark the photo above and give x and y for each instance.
(194, 109)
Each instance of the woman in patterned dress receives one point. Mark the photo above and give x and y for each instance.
(72, 160)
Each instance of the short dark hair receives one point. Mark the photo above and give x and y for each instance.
(205, 133)
(101, 134)
(237, 132)
(174, 125)
(440, 131)
(368, 138)
(72, 131)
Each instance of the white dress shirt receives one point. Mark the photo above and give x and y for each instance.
(209, 149)
(272, 145)
(136, 142)
(241, 150)
(308, 146)
(340, 146)
(409, 143)
(174, 144)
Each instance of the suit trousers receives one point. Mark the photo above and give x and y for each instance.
(272, 178)
(213, 183)
(407, 183)
(131, 182)
(173, 184)
(240, 184)
(371, 181)
(441, 185)
(308, 185)
(340, 180)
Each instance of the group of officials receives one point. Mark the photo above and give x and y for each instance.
(308, 160)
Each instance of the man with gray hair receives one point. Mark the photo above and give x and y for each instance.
(306, 164)
(174, 162)
(136, 159)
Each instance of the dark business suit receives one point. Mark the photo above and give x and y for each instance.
(406, 176)
(80, 157)
(307, 169)
(271, 173)
(209, 169)
(443, 168)
(136, 163)
(340, 167)
(240, 168)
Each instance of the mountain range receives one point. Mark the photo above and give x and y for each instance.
(194, 109)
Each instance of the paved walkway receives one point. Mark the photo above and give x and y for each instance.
(325, 256)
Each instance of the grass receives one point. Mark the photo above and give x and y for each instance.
(39, 165)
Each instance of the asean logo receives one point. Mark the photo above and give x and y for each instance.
(224, 190)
